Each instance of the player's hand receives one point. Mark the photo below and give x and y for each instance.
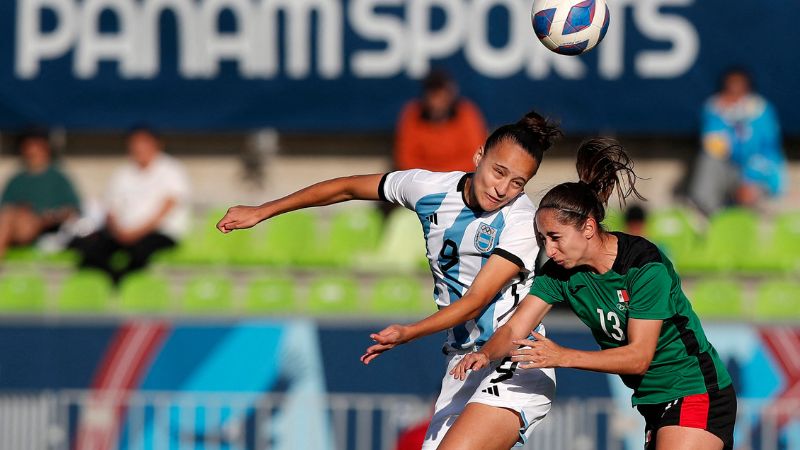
(543, 353)
(239, 217)
(470, 361)
(387, 339)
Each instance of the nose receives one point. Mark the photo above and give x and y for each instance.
(550, 249)
(501, 188)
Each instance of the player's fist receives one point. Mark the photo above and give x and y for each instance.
(239, 217)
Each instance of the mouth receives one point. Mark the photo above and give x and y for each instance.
(492, 199)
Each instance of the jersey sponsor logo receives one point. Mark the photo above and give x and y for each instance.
(492, 390)
(485, 237)
(624, 299)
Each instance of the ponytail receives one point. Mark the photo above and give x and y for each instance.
(603, 167)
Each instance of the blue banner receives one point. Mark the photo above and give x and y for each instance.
(349, 65)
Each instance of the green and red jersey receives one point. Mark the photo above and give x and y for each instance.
(642, 284)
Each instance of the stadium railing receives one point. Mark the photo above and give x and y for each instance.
(146, 420)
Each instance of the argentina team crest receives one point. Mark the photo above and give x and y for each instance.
(485, 237)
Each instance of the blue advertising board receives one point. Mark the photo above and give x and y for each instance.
(349, 65)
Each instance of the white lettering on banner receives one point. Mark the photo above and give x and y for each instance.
(407, 42)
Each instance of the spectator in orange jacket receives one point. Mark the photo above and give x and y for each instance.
(440, 131)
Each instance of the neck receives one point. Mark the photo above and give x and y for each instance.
(604, 253)
(469, 197)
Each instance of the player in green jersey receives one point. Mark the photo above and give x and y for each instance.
(629, 295)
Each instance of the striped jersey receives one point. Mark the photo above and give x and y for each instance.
(460, 240)
(641, 284)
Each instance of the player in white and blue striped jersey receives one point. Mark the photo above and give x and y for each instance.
(481, 248)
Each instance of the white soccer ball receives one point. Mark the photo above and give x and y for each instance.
(570, 27)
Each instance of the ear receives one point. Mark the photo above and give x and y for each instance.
(478, 156)
(590, 228)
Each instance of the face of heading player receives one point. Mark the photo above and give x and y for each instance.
(500, 175)
(566, 244)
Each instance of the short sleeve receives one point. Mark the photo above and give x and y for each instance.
(650, 292)
(548, 288)
(405, 187)
(518, 239)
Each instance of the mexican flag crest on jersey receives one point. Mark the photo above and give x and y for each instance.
(623, 297)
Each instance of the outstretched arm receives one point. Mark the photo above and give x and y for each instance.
(631, 359)
(529, 315)
(357, 187)
(492, 277)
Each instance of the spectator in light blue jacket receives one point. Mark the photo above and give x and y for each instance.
(742, 161)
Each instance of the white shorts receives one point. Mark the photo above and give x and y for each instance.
(529, 392)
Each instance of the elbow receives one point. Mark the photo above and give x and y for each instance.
(641, 366)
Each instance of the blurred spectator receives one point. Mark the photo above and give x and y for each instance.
(38, 198)
(742, 161)
(635, 219)
(148, 209)
(440, 131)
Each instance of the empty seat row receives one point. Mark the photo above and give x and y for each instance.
(146, 292)
(736, 240)
(773, 300)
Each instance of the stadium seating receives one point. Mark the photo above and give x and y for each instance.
(401, 248)
(396, 295)
(614, 220)
(730, 244)
(22, 293)
(206, 294)
(717, 299)
(673, 232)
(352, 231)
(783, 252)
(778, 300)
(145, 292)
(270, 295)
(333, 295)
(85, 291)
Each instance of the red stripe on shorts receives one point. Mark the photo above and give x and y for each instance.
(694, 411)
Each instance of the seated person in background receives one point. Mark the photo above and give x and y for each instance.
(148, 209)
(742, 161)
(38, 198)
(440, 131)
(635, 220)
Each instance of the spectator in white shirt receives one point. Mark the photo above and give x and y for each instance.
(148, 209)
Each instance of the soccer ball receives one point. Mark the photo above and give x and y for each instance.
(570, 27)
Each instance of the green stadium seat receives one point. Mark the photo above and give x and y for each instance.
(352, 231)
(783, 251)
(778, 300)
(731, 243)
(717, 299)
(672, 231)
(85, 291)
(144, 292)
(401, 248)
(208, 294)
(291, 239)
(333, 295)
(22, 293)
(270, 295)
(614, 221)
(397, 295)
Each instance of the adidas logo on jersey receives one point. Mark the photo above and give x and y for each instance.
(492, 390)
(433, 218)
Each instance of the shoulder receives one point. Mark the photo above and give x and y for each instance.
(635, 252)
(427, 178)
(521, 209)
